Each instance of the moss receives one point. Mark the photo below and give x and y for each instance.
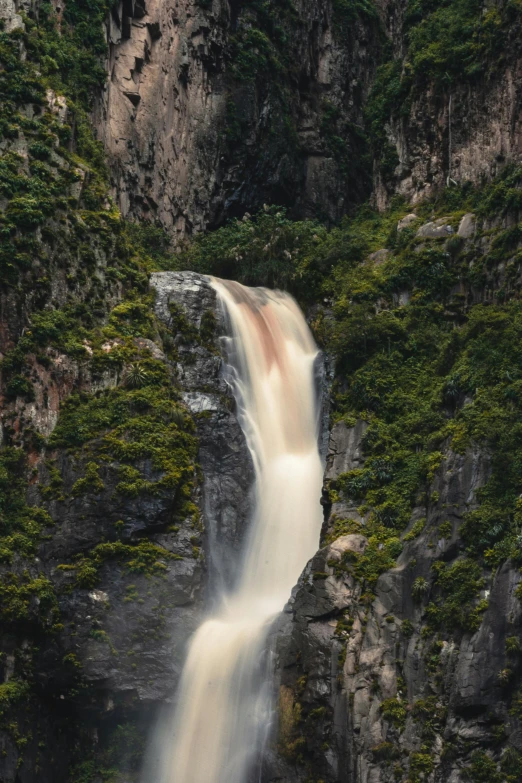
(421, 764)
(21, 526)
(56, 244)
(458, 606)
(483, 769)
(11, 693)
(290, 741)
(132, 425)
(416, 530)
(142, 558)
(447, 43)
(18, 604)
(91, 482)
(395, 712)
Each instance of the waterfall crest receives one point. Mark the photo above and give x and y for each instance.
(224, 700)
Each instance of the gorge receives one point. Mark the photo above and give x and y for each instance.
(166, 168)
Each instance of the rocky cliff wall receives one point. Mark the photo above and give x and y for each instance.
(123, 487)
(102, 612)
(212, 109)
(457, 116)
(197, 129)
(367, 693)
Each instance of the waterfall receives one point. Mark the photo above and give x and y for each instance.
(224, 704)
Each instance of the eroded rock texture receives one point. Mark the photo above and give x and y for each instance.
(466, 132)
(203, 122)
(224, 459)
(119, 646)
(365, 692)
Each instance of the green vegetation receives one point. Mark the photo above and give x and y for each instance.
(395, 712)
(122, 750)
(447, 43)
(424, 373)
(424, 368)
(290, 741)
(142, 558)
(268, 249)
(76, 276)
(20, 525)
(11, 693)
(484, 769)
(420, 764)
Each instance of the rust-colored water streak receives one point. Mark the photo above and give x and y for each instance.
(224, 706)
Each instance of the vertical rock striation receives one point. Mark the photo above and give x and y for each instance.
(211, 109)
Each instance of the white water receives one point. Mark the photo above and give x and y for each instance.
(224, 701)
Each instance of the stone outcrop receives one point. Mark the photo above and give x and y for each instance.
(193, 137)
(347, 658)
(474, 127)
(120, 645)
(224, 459)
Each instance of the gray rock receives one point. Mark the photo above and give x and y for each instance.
(435, 230)
(345, 450)
(406, 222)
(223, 454)
(467, 226)
(380, 256)
(8, 13)
(167, 137)
(348, 669)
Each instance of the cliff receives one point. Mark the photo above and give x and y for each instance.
(215, 108)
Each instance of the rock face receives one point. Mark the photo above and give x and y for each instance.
(208, 114)
(474, 127)
(369, 693)
(120, 644)
(196, 132)
(223, 455)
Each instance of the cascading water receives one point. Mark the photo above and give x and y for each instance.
(224, 701)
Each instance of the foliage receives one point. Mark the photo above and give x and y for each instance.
(394, 711)
(21, 525)
(268, 249)
(122, 750)
(142, 558)
(447, 43)
(459, 584)
(290, 740)
(420, 764)
(431, 713)
(12, 692)
(483, 769)
(419, 588)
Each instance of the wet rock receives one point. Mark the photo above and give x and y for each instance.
(223, 455)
